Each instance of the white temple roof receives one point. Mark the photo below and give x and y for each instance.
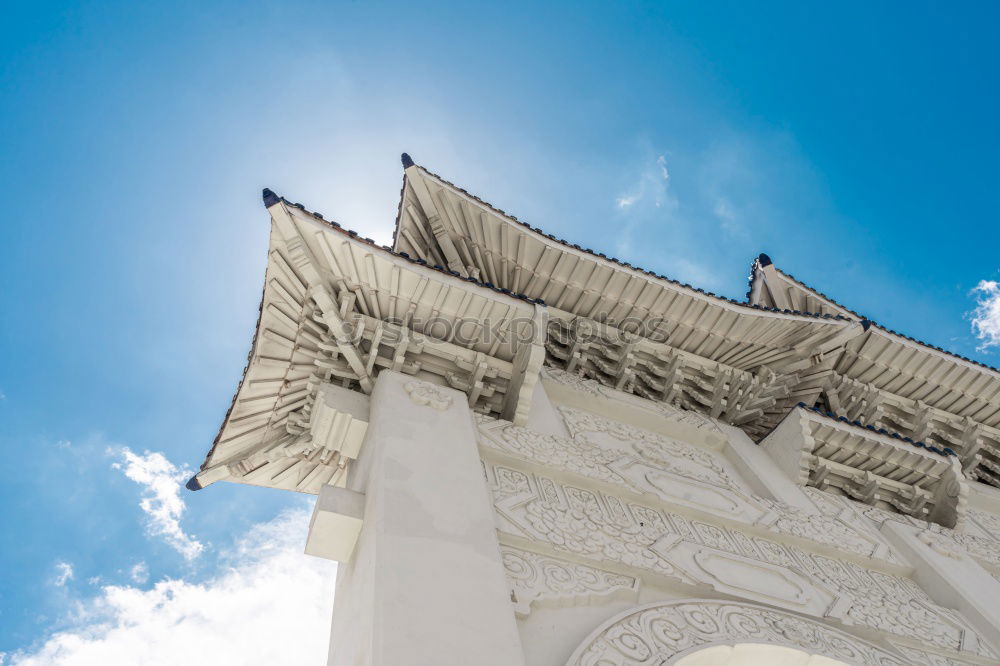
(471, 297)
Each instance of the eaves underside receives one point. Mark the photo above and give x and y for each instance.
(800, 344)
(851, 314)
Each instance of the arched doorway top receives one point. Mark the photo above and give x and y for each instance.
(665, 632)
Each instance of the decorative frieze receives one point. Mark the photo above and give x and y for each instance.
(678, 473)
(659, 633)
(984, 546)
(541, 579)
(594, 388)
(671, 454)
(603, 528)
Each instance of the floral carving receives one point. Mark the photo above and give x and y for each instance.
(594, 388)
(581, 527)
(654, 634)
(573, 381)
(425, 393)
(600, 528)
(826, 527)
(540, 578)
(580, 455)
(511, 482)
(984, 549)
(941, 543)
(665, 452)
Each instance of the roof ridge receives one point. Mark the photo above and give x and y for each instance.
(814, 290)
(946, 451)
(872, 322)
(698, 289)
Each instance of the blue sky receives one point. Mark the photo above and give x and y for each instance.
(853, 142)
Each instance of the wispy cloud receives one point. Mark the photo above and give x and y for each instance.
(649, 192)
(270, 605)
(986, 316)
(651, 184)
(139, 573)
(161, 501)
(64, 574)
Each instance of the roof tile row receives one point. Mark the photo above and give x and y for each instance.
(270, 198)
(881, 431)
(407, 161)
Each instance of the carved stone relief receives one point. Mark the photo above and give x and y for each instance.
(826, 529)
(989, 523)
(536, 579)
(917, 657)
(574, 381)
(941, 544)
(647, 462)
(604, 528)
(984, 549)
(594, 388)
(660, 633)
(425, 393)
(706, 466)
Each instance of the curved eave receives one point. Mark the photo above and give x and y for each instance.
(918, 372)
(762, 267)
(407, 225)
(876, 431)
(374, 286)
(771, 287)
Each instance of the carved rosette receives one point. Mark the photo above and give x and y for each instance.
(663, 632)
(425, 393)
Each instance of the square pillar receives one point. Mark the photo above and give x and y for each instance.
(425, 585)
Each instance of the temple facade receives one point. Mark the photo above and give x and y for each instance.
(527, 453)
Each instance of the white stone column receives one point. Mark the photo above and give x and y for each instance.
(425, 585)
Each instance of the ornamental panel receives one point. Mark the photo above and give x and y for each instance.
(662, 633)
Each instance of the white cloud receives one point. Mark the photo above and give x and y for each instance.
(64, 574)
(625, 202)
(139, 573)
(651, 183)
(271, 605)
(986, 316)
(161, 502)
(661, 161)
